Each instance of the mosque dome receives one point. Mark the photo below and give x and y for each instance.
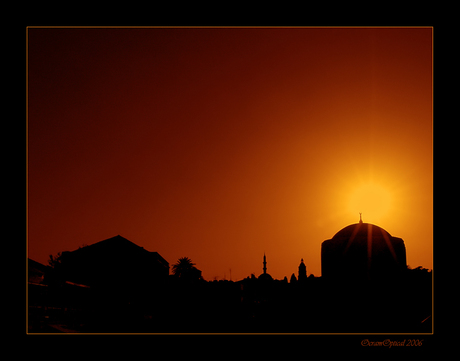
(360, 230)
(362, 250)
(265, 277)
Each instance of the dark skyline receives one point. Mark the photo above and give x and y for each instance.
(115, 286)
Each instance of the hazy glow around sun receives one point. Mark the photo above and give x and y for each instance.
(372, 199)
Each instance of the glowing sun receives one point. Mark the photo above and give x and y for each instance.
(372, 199)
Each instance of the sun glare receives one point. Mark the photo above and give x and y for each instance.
(372, 199)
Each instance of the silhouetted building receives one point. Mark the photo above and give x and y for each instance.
(36, 271)
(362, 251)
(114, 261)
(302, 271)
(265, 276)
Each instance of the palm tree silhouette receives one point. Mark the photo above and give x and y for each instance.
(184, 268)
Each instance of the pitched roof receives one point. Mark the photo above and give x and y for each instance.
(117, 244)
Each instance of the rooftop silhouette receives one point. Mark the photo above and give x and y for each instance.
(113, 261)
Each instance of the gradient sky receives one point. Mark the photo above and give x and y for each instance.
(220, 144)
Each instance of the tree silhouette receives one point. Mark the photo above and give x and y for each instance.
(54, 274)
(55, 261)
(185, 269)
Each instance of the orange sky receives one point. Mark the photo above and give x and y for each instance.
(220, 144)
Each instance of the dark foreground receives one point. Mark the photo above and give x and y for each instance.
(247, 306)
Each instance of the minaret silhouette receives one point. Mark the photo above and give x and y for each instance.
(302, 271)
(265, 264)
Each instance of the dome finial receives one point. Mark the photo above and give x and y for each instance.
(360, 220)
(265, 264)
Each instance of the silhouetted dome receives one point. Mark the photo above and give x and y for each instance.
(361, 229)
(362, 250)
(265, 277)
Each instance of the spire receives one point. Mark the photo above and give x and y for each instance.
(360, 220)
(302, 271)
(265, 264)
